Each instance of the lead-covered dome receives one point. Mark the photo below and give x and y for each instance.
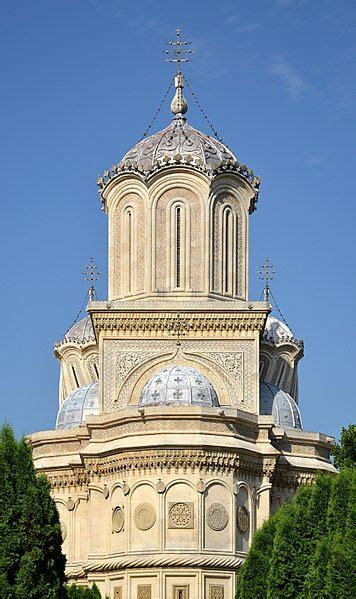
(81, 332)
(280, 405)
(179, 385)
(78, 405)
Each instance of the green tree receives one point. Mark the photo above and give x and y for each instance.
(345, 452)
(75, 592)
(310, 544)
(31, 560)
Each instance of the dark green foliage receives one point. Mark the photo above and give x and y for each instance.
(31, 560)
(345, 452)
(75, 592)
(310, 545)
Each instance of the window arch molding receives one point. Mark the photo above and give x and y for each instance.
(179, 244)
(129, 250)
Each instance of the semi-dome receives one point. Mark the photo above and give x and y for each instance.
(280, 405)
(81, 403)
(81, 332)
(179, 385)
(277, 331)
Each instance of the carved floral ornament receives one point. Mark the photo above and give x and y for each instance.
(180, 515)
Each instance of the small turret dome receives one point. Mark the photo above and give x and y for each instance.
(280, 405)
(78, 405)
(277, 331)
(179, 385)
(81, 332)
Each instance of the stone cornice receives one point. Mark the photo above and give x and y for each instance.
(168, 323)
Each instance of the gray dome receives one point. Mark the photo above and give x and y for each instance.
(280, 405)
(78, 405)
(178, 385)
(81, 332)
(179, 142)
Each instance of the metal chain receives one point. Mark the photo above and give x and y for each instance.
(204, 113)
(158, 110)
(79, 313)
(280, 313)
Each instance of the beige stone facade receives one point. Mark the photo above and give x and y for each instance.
(159, 495)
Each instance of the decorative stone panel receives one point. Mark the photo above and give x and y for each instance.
(216, 591)
(243, 519)
(181, 515)
(144, 591)
(144, 516)
(118, 519)
(217, 516)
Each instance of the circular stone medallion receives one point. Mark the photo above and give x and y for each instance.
(217, 516)
(181, 515)
(144, 516)
(243, 519)
(118, 519)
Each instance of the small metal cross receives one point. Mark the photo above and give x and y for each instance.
(91, 274)
(178, 51)
(266, 273)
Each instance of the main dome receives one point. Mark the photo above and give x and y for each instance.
(280, 405)
(179, 385)
(78, 405)
(179, 142)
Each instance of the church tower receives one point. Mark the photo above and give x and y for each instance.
(178, 431)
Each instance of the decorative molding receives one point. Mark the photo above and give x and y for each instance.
(192, 560)
(217, 517)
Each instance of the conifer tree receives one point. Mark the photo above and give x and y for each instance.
(31, 559)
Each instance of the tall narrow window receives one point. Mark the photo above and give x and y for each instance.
(96, 371)
(228, 251)
(178, 246)
(129, 251)
(75, 376)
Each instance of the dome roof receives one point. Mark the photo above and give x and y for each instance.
(280, 405)
(181, 143)
(78, 405)
(81, 332)
(276, 331)
(178, 385)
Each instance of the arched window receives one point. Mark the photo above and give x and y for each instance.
(96, 370)
(129, 250)
(264, 365)
(228, 270)
(178, 246)
(75, 376)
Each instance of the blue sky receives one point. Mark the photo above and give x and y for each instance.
(80, 81)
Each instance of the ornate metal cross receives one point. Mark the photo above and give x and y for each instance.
(266, 273)
(178, 51)
(91, 274)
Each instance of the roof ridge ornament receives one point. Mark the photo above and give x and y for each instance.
(178, 54)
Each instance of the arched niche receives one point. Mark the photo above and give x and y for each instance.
(144, 517)
(218, 517)
(181, 517)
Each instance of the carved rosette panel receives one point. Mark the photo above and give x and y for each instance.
(144, 516)
(195, 235)
(118, 519)
(243, 519)
(144, 591)
(181, 515)
(217, 517)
